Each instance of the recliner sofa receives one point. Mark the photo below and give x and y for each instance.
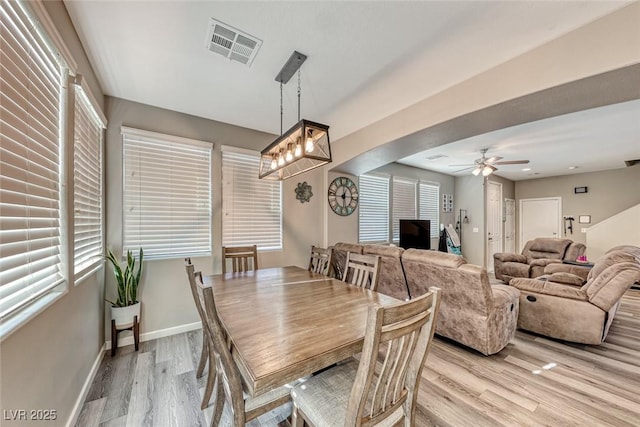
(536, 255)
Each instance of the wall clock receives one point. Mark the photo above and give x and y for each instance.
(343, 196)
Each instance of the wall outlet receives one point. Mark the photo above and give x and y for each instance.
(475, 229)
(583, 230)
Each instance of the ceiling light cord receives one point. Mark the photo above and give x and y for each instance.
(299, 92)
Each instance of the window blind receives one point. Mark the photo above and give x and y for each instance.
(404, 204)
(430, 206)
(373, 209)
(251, 207)
(31, 77)
(166, 195)
(87, 186)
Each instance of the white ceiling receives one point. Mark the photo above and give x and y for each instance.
(366, 61)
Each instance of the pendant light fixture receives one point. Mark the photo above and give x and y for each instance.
(303, 147)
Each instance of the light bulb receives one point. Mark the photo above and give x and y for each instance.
(280, 159)
(308, 145)
(298, 151)
(289, 156)
(477, 171)
(487, 170)
(274, 162)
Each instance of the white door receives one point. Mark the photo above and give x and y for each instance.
(494, 221)
(510, 225)
(540, 218)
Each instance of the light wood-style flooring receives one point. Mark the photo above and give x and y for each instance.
(534, 381)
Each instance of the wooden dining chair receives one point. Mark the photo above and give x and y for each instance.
(372, 393)
(243, 258)
(229, 382)
(320, 260)
(362, 270)
(194, 279)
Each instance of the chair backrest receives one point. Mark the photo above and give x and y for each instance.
(362, 270)
(194, 277)
(545, 247)
(243, 258)
(339, 256)
(226, 367)
(320, 261)
(402, 335)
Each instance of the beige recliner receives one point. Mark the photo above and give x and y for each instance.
(472, 311)
(536, 255)
(560, 306)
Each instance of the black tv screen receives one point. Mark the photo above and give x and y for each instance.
(415, 233)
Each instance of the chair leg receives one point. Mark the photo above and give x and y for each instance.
(203, 355)
(211, 381)
(220, 399)
(296, 417)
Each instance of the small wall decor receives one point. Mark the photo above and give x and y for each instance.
(303, 192)
(584, 219)
(580, 190)
(447, 203)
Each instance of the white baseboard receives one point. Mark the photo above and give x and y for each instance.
(77, 408)
(161, 333)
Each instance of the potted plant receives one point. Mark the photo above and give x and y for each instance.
(127, 305)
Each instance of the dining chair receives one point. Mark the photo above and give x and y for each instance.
(244, 408)
(194, 279)
(240, 257)
(320, 260)
(362, 270)
(371, 393)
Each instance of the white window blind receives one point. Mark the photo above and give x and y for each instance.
(251, 207)
(166, 195)
(30, 157)
(374, 209)
(87, 186)
(404, 204)
(430, 206)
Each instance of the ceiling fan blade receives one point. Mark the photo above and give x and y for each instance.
(465, 169)
(493, 159)
(513, 162)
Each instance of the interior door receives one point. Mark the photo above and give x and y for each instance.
(510, 225)
(494, 221)
(540, 218)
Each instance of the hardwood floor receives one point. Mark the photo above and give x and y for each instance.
(534, 381)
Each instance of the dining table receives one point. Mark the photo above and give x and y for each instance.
(285, 323)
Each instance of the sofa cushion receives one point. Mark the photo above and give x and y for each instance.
(391, 279)
(550, 248)
(547, 287)
(566, 278)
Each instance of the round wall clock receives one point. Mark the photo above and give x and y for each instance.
(343, 196)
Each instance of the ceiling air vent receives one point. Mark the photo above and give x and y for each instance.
(435, 157)
(231, 42)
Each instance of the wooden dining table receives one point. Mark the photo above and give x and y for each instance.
(285, 323)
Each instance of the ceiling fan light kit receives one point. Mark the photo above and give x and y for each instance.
(304, 147)
(486, 166)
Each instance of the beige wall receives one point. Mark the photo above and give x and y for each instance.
(166, 299)
(469, 196)
(620, 229)
(609, 192)
(45, 363)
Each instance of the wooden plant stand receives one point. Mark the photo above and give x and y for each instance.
(135, 327)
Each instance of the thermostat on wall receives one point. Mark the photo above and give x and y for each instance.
(578, 190)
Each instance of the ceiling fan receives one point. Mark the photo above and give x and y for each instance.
(487, 165)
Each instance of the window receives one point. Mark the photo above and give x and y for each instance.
(409, 199)
(87, 186)
(30, 167)
(251, 207)
(166, 195)
(374, 209)
(404, 204)
(430, 206)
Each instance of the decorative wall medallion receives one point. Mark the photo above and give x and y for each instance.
(343, 196)
(303, 192)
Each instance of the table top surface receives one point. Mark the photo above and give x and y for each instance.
(286, 322)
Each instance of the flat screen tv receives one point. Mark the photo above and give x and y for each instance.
(415, 233)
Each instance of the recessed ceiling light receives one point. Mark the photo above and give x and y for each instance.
(526, 169)
(435, 157)
(573, 167)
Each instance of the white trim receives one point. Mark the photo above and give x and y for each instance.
(79, 80)
(42, 16)
(160, 333)
(77, 408)
(124, 130)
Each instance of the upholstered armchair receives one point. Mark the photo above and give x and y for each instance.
(536, 255)
(557, 307)
(472, 312)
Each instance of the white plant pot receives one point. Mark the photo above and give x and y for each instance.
(124, 315)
